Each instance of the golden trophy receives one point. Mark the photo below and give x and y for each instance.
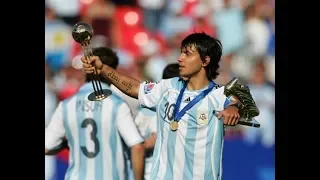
(248, 108)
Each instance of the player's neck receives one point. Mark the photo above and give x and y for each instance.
(197, 82)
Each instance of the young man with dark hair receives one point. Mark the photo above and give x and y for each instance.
(189, 135)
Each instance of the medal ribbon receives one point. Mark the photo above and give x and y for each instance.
(178, 115)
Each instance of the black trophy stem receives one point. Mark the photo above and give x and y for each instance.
(96, 78)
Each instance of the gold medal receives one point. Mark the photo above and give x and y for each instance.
(174, 125)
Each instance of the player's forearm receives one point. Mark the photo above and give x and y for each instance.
(150, 142)
(126, 84)
(137, 159)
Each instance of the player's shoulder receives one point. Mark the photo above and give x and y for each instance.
(163, 85)
(173, 83)
(217, 89)
(165, 82)
(68, 99)
(218, 86)
(116, 98)
(146, 110)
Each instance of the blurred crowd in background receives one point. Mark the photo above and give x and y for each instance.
(146, 34)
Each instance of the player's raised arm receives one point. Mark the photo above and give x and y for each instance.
(126, 84)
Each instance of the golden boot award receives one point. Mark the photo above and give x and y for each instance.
(248, 108)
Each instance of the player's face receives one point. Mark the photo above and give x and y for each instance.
(189, 62)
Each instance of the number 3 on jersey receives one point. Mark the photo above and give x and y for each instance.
(93, 137)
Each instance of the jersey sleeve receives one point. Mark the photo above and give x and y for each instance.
(223, 100)
(55, 132)
(149, 93)
(153, 124)
(50, 105)
(126, 126)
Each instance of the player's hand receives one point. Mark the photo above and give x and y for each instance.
(89, 64)
(231, 116)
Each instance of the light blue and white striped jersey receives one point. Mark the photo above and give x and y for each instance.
(94, 131)
(146, 121)
(194, 151)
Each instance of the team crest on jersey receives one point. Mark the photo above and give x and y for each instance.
(202, 117)
(148, 87)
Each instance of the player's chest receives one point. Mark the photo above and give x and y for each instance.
(192, 114)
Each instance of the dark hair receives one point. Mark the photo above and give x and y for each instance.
(108, 57)
(206, 46)
(170, 71)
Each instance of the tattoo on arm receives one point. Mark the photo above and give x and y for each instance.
(128, 85)
(113, 77)
(116, 79)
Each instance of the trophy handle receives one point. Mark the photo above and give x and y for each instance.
(252, 122)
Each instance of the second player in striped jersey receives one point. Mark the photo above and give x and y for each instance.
(146, 121)
(94, 131)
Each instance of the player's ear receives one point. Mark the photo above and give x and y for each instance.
(206, 61)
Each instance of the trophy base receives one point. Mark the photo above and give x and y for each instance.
(93, 97)
(251, 123)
